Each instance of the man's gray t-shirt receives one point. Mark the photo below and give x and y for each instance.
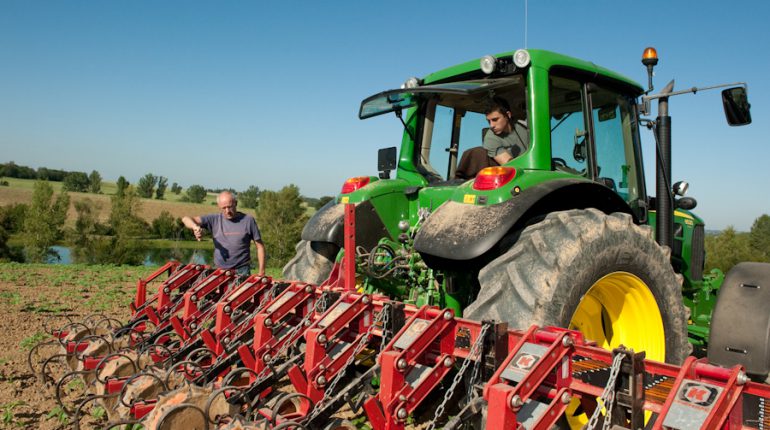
(232, 238)
(515, 142)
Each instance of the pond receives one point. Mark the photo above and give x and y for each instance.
(152, 256)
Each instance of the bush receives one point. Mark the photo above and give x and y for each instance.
(196, 194)
(165, 226)
(76, 182)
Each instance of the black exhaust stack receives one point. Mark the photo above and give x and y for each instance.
(664, 199)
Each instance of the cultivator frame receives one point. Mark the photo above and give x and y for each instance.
(241, 339)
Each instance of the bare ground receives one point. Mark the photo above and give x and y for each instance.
(32, 296)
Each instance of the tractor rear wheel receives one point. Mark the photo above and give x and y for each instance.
(312, 263)
(600, 274)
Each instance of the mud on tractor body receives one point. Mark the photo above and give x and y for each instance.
(533, 293)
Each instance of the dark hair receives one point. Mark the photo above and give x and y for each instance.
(498, 104)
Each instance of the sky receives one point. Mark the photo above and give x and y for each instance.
(230, 94)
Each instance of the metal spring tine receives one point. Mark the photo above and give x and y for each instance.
(76, 417)
(35, 348)
(123, 423)
(59, 386)
(134, 377)
(214, 395)
(47, 378)
(109, 356)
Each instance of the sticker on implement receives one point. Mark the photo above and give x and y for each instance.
(345, 199)
(693, 402)
(469, 198)
(283, 299)
(523, 362)
(333, 314)
(412, 332)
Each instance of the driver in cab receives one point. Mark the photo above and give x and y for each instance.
(508, 138)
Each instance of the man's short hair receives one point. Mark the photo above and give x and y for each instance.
(497, 104)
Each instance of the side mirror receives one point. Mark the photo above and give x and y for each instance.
(737, 107)
(386, 161)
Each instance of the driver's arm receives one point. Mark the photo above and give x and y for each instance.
(503, 157)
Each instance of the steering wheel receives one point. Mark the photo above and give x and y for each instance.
(557, 162)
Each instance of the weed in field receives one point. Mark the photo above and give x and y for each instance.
(74, 385)
(4, 361)
(98, 412)
(7, 415)
(45, 307)
(10, 298)
(59, 414)
(31, 341)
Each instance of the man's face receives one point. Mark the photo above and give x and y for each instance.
(499, 122)
(227, 205)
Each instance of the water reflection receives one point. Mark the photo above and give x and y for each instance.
(152, 257)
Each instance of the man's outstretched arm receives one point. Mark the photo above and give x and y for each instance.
(194, 224)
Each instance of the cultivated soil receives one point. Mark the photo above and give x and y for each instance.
(33, 297)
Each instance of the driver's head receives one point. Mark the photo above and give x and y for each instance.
(499, 116)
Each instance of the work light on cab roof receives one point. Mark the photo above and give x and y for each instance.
(354, 184)
(491, 178)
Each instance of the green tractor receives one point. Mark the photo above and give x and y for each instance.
(560, 235)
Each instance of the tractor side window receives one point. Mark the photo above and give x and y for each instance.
(614, 127)
(569, 135)
(437, 142)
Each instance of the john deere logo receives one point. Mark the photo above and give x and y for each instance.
(698, 394)
(525, 361)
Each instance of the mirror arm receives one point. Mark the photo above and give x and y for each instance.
(694, 90)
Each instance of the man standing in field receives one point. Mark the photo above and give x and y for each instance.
(233, 233)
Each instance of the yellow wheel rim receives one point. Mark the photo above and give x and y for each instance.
(619, 309)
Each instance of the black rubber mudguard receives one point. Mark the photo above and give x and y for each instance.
(327, 225)
(740, 325)
(458, 231)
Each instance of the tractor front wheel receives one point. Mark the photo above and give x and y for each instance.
(600, 274)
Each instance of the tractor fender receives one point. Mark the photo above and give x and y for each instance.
(327, 225)
(740, 325)
(458, 231)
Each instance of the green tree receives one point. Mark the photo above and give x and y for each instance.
(281, 217)
(76, 182)
(249, 198)
(124, 246)
(728, 248)
(85, 228)
(196, 194)
(322, 201)
(176, 188)
(122, 185)
(165, 226)
(162, 185)
(44, 221)
(95, 182)
(759, 237)
(146, 185)
(11, 221)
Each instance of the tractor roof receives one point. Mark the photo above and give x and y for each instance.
(539, 58)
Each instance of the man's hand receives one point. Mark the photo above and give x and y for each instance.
(198, 232)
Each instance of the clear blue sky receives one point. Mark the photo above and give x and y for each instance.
(230, 94)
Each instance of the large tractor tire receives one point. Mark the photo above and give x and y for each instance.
(600, 274)
(312, 263)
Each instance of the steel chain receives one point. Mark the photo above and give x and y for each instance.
(475, 350)
(387, 331)
(608, 397)
(358, 348)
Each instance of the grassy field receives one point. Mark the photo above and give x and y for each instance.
(20, 191)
